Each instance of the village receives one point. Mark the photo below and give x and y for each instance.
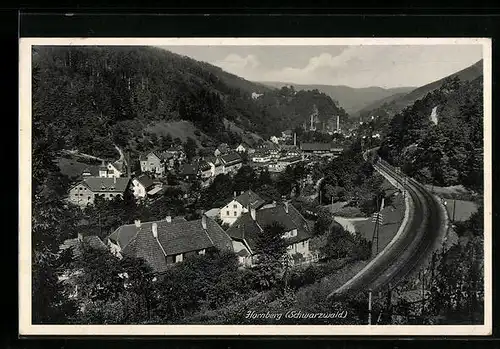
(232, 226)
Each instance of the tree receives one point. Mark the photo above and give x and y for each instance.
(270, 249)
(323, 221)
(190, 148)
(244, 179)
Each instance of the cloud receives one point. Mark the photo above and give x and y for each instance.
(397, 65)
(356, 66)
(237, 64)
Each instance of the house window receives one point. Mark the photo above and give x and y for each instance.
(235, 213)
(227, 213)
(178, 258)
(235, 206)
(110, 195)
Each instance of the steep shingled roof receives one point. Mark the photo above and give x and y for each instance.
(175, 237)
(230, 159)
(248, 198)
(145, 181)
(102, 184)
(245, 228)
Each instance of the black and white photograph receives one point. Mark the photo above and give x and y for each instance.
(306, 186)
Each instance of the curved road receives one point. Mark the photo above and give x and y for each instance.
(410, 249)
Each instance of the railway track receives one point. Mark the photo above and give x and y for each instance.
(410, 249)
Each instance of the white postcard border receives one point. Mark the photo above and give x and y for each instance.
(25, 324)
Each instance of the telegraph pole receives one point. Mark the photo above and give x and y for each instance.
(454, 205)
(369, 307)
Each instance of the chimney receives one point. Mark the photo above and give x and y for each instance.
(154, 228)
(286, 206)
(80, 237)
(295, 139)
(137, 223)
(252, 213)
(168, 219)
(241, 192)
(114, 179)
(234, 193)
(204, 222)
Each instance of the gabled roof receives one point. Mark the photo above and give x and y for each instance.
(160, 155)
(249, 199)
(145, 181)
(245, 228)
(175, 237)
(230, 159)
(103, 184)
(316, 146)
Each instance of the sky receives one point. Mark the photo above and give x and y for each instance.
(356, 66)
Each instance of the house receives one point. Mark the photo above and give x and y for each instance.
(169, 241)
(297, 234)
(271, 148)
(204, 169)
(261, 156)
(231, 162)
(142, 185)
(238, 205)
(216, 167)
(89, 188)
(153, 162)
(222, 149)
(244, 148)
(116, 169)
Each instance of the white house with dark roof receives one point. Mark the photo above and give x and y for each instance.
(161, 243)
(142, 185)
(297, 232)
(155, 162)
(231, 162)
(238, 205)
(84, 192)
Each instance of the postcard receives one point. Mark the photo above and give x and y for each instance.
(255, 186)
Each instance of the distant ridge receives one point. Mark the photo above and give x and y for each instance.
(395, 105)
(350, 98)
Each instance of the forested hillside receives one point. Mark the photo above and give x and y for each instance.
(350, 98)
(393, 106)
(448, 153)
(89, 97)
